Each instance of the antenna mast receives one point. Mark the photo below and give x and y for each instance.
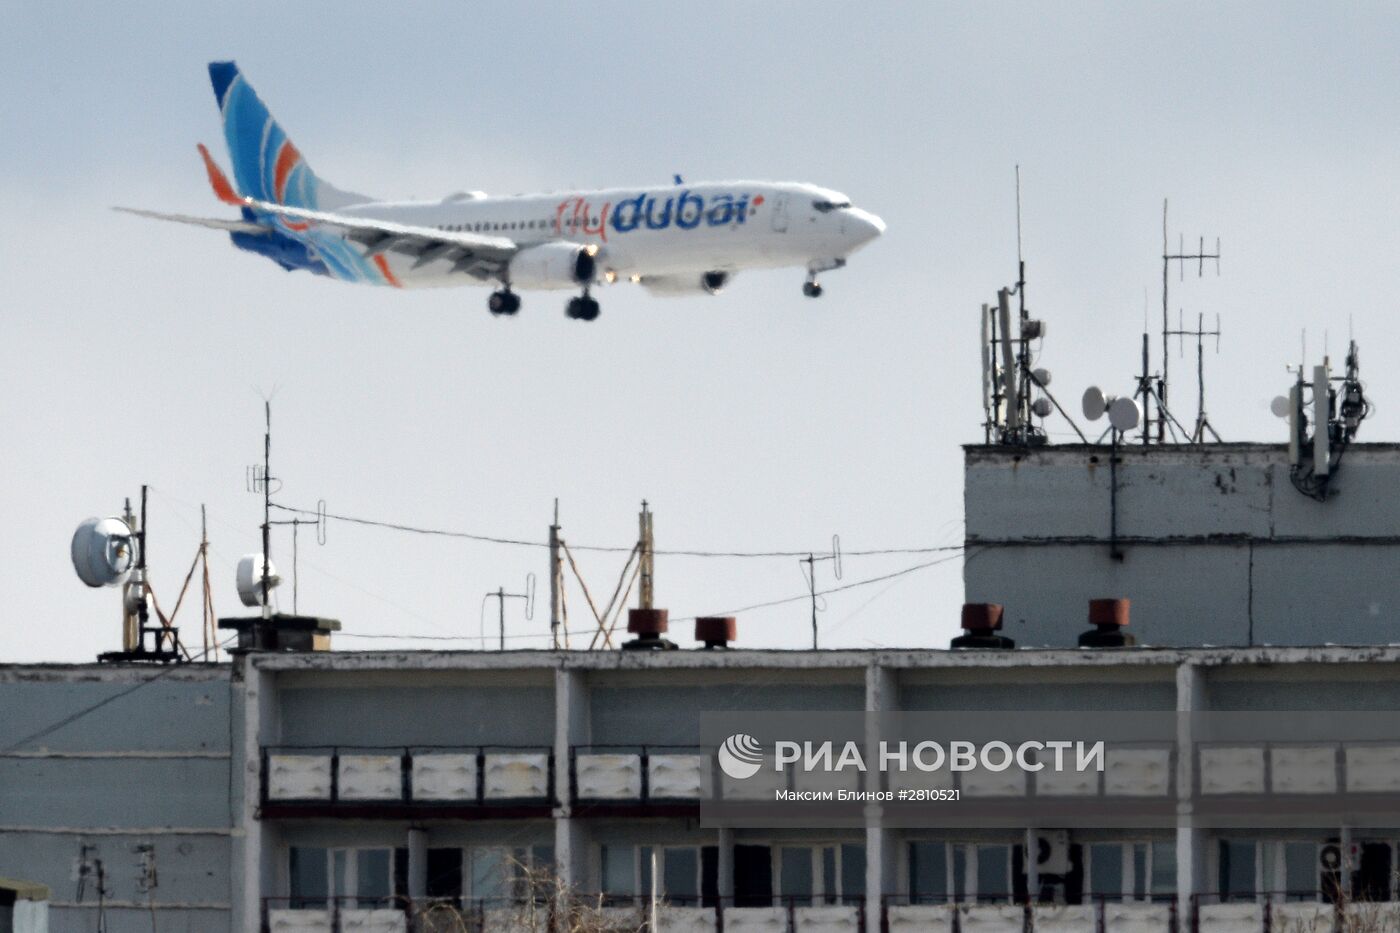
(646, 544)
(556, 578)
(264, 582)
(811, 560)
(1203, 425)
(500, 595)
(261, 480)
(1181, 257)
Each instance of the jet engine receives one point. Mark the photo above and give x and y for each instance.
(553, 265)
(710, 283)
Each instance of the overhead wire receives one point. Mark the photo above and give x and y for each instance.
(827, 592)
(619, 549)
(757, 606)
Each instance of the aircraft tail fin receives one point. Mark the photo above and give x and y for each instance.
(266, 165)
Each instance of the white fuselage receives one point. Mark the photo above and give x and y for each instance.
(651, 233)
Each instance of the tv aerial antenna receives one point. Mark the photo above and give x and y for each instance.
(1181, 257)
(256, 577)
(500, 595)
(1203, 425)
(810, 573)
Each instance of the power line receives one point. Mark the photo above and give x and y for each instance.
(766, 605)
(519, 542)
(385, 635)
(835, 589)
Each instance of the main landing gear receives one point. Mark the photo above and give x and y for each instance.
(504, 301)
(811, 289)
(582, 308)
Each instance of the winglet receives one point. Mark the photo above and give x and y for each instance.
(217, 180)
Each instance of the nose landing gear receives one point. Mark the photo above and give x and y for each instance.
(811, 288)
(504, 301)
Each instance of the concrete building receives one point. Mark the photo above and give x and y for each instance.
(1212, 543)
(314, 790)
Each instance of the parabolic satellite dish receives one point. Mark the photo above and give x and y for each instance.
(104, 551)
(1124, 414)
(1094, 404)
(249, 579)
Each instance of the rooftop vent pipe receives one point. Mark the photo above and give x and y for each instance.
(716, 631)
(648, 625)
(1109, 617)
(980, 622)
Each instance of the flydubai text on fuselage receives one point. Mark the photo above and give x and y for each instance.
(673, 240)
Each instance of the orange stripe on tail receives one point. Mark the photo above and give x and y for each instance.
(287, 159)
(389, 276)
(222, 189)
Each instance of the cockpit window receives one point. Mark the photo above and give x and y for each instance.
(827, 206)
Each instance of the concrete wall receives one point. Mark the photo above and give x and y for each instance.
(668, 713)
(442, 714)
(1216, 545)
(149, 766)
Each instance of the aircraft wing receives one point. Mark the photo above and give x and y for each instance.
(473, 253)
(214, 223)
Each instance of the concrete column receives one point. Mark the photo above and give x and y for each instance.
(726, 863)
(1190, 839)
(571, 728)
(1032, 862)
(1348, 863)
(252, 873)
(417, 862)
(881, 862)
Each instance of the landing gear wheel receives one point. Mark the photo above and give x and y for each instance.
(583, 308)
(811, 289)
(503, 302)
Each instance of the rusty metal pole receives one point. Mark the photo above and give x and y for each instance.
(644, 539)
(556, 575)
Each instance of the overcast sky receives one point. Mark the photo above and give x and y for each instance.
(139, 352)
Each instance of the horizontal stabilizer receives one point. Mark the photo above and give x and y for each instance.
(213, 223)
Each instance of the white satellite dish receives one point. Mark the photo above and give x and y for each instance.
(1094, 403)
(249, 579)
(1124, 414)
(1041, 407)
(1041, 376)
(104, 551)
(1280, 406)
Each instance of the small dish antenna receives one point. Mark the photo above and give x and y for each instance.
(1041, 407)
(1042, 376)
(104, 551)
(249, 579)
(1124, 413)
(1094, 403)
(1280, 406)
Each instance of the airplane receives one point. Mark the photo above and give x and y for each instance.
(673, 240)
